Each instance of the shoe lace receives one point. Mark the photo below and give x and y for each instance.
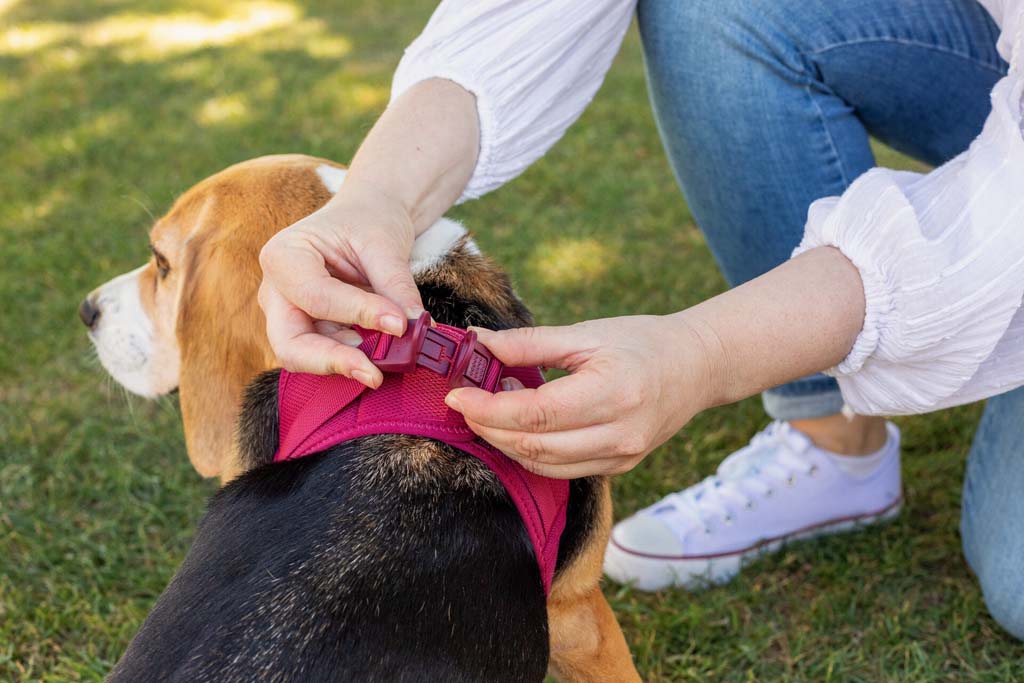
(771, 461)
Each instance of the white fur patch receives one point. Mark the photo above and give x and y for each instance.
(331, 177)
(125, 341)
(431, 247)
(435, 243)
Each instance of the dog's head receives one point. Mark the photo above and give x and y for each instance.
(188, 319)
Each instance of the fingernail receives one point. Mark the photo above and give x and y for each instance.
(509, 384)
(452, 401)
(364, 377)
(392, 324)
(351, 338)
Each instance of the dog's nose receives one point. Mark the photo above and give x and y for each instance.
(89, 312)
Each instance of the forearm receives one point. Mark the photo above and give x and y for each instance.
(421, 152)
(800, 318)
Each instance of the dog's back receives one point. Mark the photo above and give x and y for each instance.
(384, 559)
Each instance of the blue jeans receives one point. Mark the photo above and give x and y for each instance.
(766, 105)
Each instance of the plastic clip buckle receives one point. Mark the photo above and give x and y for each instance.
(465, 363)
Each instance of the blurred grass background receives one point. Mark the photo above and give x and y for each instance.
(111, 108)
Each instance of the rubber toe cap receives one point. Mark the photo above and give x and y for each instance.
(646, 535)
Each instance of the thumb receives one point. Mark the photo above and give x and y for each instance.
(390, 277)
(550, 347)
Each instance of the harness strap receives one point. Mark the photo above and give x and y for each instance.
(420, 368)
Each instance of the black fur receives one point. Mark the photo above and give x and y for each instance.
(387, 558)
(581, 518)
(257, 422)
(335, 567)
(437, 299)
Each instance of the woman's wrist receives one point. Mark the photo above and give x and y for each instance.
(422, 151)
(358, 197)
(698, 359)
(799, 318)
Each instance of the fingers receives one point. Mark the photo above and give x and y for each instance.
(300, 348)
(299, 274)
(389, 275)
(339, 333)
(550, 347)
(564, 455)
(568, 428)
(569, 402)
(578, 470)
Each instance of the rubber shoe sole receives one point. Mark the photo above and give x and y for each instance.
(648, 572)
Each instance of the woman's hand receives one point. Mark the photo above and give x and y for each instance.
(347, 263)
(634, 382)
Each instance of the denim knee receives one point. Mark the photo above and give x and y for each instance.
(992, 518)
(1002, 585)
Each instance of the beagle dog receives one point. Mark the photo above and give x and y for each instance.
(385, 558)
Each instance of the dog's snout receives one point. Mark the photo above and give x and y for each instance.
(89, 312)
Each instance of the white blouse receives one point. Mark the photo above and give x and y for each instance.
(941, 255)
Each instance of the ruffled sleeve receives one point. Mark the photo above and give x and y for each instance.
(941, 257)
(533, 65)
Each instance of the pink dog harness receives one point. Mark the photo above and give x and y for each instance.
(421, 367)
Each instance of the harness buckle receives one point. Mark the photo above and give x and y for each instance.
(465, 363)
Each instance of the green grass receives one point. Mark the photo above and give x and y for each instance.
(108, 110)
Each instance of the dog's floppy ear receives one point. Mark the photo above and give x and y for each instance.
(221, 334)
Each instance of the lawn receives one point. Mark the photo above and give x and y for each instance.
(111, 108)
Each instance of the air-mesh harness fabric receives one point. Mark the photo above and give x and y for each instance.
(320, 411)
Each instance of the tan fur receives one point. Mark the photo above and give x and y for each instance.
(586, 641)
(212, 236)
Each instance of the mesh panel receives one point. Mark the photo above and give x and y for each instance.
(317, 412)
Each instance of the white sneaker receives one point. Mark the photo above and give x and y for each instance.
(779, 488)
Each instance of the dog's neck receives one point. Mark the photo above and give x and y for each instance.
(465, 289)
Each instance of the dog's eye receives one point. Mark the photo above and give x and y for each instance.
(163, 267)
